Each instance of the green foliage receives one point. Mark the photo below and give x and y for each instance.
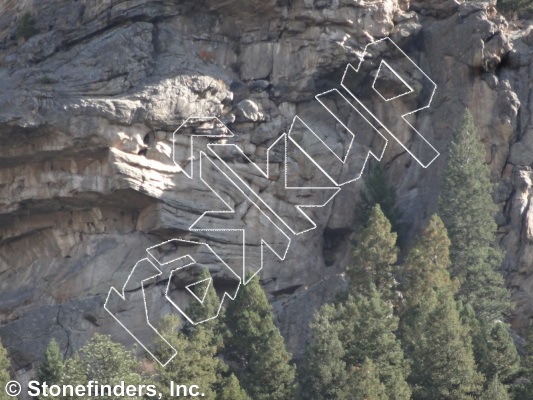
(203, 311)
(366, 383)
(378, 190)
(354, 348)
(479, 332)
(231, 390)
(495, 391)
(468, 211)
(53, 366)
(325, 376)
(516, 8)
(427, 281)
(524, 390)
(426, 266)
(198, 347)
(195, 363)
(494, 349)
(104, 361)
(440, 348)
(374, 257)
(4, 372)
(367, 330)
(354, 352)
(255, 348)
(435, 338)
(504, 360)
(26, 27)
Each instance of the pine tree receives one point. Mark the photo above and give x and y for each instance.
(324, 375)
(504, 359)
(231, 390)
(467, 209)
(195, 363)
(494, 349)
(524, 390)
(366, 383)
(495, 391)
(429, 296)
(479, 332)
(75, 373)
(204, 312)
(103, 361)
(53, 365)
(440, 348)
(4, 372)
(426, 266)
(367, 331)
(374, 257)
(198, 346)
(378, 190)
(255, 348)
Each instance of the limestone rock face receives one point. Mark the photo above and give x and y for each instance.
(89, 104)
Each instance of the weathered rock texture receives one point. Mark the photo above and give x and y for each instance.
(89, 104)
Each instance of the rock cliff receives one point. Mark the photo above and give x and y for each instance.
(90, 102)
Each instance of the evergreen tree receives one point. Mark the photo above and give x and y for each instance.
(195, 362)
(103, 361)
(378, 190)
(4, 372)
(504, 359)
(366, 383)
(202, 311)
(53, 365)
(231, 390)
(494, 349)
(440, 348)
(426, 266)
(436, 339)
(255, 348)
(324, 373)
(205, 311)
(524, 390)
(374, 257)
(479, 333)
(367, 331)
(468, 211)
(495, 391)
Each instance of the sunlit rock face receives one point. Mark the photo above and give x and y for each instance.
(89, 105)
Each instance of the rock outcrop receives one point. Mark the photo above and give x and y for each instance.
(89, 105)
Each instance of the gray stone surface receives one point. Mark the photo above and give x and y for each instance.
(89, 104)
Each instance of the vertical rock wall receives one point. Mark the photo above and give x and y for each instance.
(89, 104)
